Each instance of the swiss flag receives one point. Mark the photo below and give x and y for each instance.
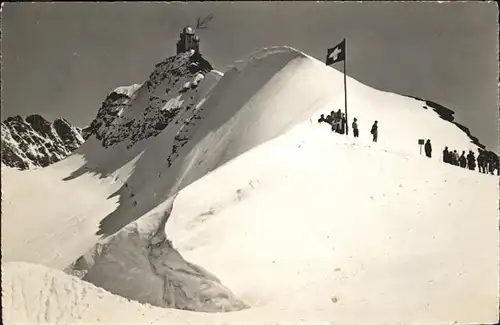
(336, 54)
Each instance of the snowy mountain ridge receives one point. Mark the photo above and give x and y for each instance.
(36, 142)
(179, 77)
(194, 170)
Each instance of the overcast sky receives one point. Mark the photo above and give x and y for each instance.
(60, 59)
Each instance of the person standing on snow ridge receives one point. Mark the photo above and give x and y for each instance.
(322, 118)
(342, 123)
(480, 162)
(492, 160)
(485, 164)
(374, 131)
(454, 157)
(355, 129)
(338, 114)
(446, 156)
(329, 118)
(428, 148)
(471, 160)
(462, 161)
(491, 165)
(338, 119)
(496, 165)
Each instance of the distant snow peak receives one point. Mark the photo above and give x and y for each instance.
(263, 53)
(36, 142)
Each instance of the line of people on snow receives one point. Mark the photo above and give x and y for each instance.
(338, 122)
(486, 162)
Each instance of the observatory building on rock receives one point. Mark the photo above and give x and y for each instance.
(188, 41)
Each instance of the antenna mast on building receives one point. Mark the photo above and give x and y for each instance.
(203, 23)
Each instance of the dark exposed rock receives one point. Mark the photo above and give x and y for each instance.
(199, 63)
(173, 77)
(448, 115)
(86, 132)
(71, 136)
(34, 141)
(473, 138)
(443, 112)
(40, 125)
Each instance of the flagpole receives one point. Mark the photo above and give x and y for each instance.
(345, 88)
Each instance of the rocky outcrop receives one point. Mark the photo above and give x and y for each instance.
(86, 132)
(168, 90)
(34, 141)
(449, 115)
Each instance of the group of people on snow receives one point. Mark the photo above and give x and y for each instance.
(338, 122)
(485, 163)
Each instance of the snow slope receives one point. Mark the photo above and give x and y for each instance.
(286, 214)
(310, 220)
(35, 294)
(427, 261)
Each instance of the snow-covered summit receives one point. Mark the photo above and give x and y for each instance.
(137, 112)
(36, 142)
